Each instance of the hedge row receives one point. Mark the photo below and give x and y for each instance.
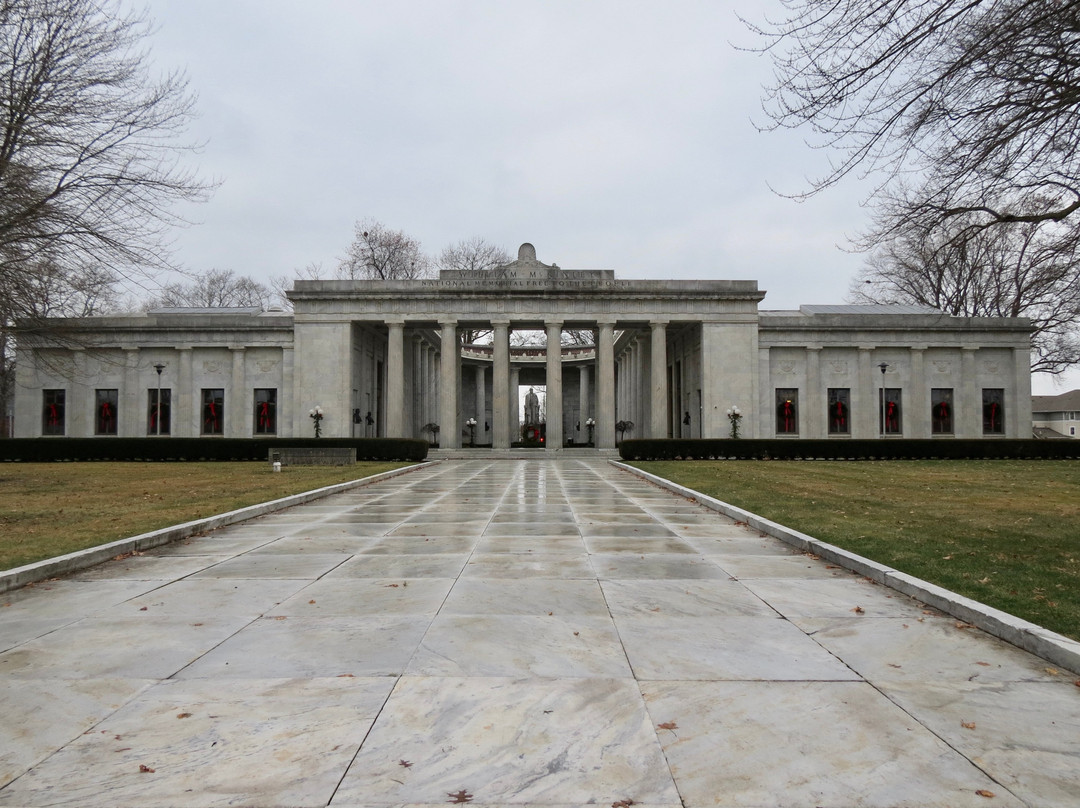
(726, 449)
(38, 450)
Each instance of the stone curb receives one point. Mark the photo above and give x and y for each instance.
(81, 559)
(1049, 645)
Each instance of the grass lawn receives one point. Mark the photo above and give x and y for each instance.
(1003, 532)
(48, 509)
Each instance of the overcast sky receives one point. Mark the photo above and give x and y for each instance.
(612, 135)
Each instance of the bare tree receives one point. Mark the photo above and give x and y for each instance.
(89, 158)
(379, 253)
(216, 288)
(976, 103)
(474, 254)
(1017, 269)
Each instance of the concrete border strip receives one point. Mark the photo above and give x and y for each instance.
(1042, 642)
(82, 559)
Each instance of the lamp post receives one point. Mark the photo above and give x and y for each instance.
(471, 424)
(589, 424)
(157, 416)
(884, 366)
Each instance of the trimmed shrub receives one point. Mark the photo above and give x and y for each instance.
(39, 450)
(727, 449)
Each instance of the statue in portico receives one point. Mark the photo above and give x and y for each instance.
(532, 408)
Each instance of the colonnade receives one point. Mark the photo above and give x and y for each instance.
(504, 398)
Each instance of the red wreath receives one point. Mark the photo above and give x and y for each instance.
(264, 415)
(994, 410)
(891, 421)
(840, 417)
(787, 416)
(941, 412)
(212, 417)
(52, 416)
(106, 417)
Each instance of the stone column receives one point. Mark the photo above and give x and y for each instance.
(500, 385)
(865, 405)
(917, 415)
(127, 423)
(480, 411)
(1018, 419)
(554, 440)
(449, 428)
(395, 379)
(969, 410)
(605, 386)
(658, 379)
(236, 421)
(184, 413)
(585, 405)
(285, 403)
(513, 419)
(813, 408)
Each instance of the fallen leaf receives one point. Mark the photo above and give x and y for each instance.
(461, 796)
(404, 764)
(859, 610)
(143, 609)
(183, 715)
(967, 724)
(346, 676)
(622, 804)
(962, 625)
(392, 586)
(279, 617)
(984, 664)
(145, 769)
(982, 792)
(894, 665)
(310, 602)
(1053, 671)
(667, 725)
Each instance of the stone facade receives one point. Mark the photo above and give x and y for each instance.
(385, 358)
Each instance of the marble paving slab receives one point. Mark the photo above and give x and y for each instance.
(524, 565)
(551, 646)
(828, 744)
(837, 597)
(274, 565)
(119, 647)
(511, 742)
(613, 566)
(147, 568)
(212, 743)
(362, 597)
(194, 598)
(40, 716)
(663, 600)
(400, 566)
(931, 647)
(312, 647)
(536, 597)
(1023, 734)
(702, 649)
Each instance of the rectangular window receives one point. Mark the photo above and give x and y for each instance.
(105, 402)
(213, 411)
(52, 413)
(889, 414)
(787, 411)
(839, 411)
(941, 411)
(154, 414)
(993, 411)
(265, 411)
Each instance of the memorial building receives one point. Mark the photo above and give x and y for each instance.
(661, 358)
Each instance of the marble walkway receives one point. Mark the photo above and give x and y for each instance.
(512, 633)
